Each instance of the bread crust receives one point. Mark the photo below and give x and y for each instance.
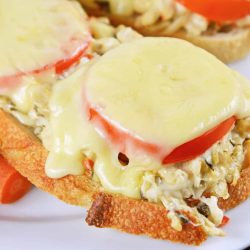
(27, 154)
(228, 47)
(141, 217)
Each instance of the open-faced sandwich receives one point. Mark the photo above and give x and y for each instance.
(221, 27)
(150, 134)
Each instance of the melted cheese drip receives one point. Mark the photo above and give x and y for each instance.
(36, 33)
(72, 136)
(164, 91)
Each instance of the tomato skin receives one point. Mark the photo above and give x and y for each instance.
(187, 151)
(64, 64)
(219, 10)
(199, 145)
(118, 137)
(12, 81)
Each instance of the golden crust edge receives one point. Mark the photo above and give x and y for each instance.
(141, 218)
(226, 47)
(26, 153)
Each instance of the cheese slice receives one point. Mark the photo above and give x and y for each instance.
(164, 91)
(39, 33)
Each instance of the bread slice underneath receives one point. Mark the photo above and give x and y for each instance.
(228, 47)
(27, 154)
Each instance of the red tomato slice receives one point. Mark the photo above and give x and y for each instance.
(199, 145)
(73, 56)
(188, 151)
(119, 137)
(219, 10)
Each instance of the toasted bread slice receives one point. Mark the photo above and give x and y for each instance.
(27, 154)
(228, 47)
(141, 217)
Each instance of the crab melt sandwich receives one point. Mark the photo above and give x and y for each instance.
(151, 136)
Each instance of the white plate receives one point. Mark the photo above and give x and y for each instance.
(41, 222)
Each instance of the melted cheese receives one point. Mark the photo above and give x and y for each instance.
(37, 33)
(31, 90)
(164, 91)
(72, 137)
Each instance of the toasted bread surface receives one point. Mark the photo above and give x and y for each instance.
(27, 154)
(141, 217)
(228, 47)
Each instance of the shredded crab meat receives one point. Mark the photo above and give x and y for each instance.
(207, 175)
(107, 37)
(164, 16)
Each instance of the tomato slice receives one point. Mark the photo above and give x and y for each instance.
(41, 35)
(8, 82)
(72, 58)
(199, 145)
(119, 137)
(219, 10)
(187, 151)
